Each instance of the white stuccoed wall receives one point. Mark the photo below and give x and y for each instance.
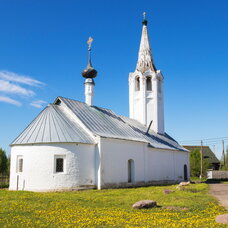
(38, 168)
(89, 91)
(150, 164)
(160, 165)
(181, 158)
(157, 106)
(135, 100)
(116, 154)
(146, 106)
(87, 165)
(166, 164)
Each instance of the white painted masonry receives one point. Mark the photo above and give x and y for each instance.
(150, 164)
(116, 154)
(38, 167)
(87, 166)
(89, 91)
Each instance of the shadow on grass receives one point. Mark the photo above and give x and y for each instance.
(215, 181)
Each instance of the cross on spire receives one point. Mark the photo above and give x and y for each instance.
(144, 15)
(144, 22)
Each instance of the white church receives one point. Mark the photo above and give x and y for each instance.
(74, 145)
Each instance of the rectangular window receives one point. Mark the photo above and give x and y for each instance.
(20, 167)
(59, 165)
(19, 164)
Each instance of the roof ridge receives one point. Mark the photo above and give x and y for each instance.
(93, 106)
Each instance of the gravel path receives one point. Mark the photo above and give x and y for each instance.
(220, 191)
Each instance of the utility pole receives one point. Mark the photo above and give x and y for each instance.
(201, 160)
(223, 153)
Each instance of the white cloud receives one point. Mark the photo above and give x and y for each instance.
(13, 77)
(9, 100)
(16, 84)
(38, 103)
(8, 87)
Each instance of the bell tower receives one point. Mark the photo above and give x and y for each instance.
(146, 87)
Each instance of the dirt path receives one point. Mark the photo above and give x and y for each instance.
(220, 191)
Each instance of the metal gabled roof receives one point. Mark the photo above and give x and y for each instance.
(56, 125)
(155, 140)
(105, 123)
(53, 125)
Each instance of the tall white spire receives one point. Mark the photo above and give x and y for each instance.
(145, 59)
(146, 88)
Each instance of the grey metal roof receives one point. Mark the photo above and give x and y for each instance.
(105, 123)
(53, 125)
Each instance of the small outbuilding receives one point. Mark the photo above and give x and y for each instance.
(208, 154)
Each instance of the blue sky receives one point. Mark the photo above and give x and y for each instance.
(43, 50)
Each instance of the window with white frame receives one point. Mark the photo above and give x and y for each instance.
(59, 166)
(20, 164)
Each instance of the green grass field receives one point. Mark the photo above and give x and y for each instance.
(110, 208)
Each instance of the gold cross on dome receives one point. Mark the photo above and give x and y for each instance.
(89, 42)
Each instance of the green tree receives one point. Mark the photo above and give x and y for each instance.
(224, 161)
(195, 164)
(8, 165)
(205, 166)
(226, 157)
(3, 162)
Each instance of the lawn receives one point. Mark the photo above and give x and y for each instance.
(192, 207)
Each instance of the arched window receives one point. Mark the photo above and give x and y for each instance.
(131, 171)
(148, 84)
(185, 172)
(137, 84)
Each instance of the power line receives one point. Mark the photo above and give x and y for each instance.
(209, 140)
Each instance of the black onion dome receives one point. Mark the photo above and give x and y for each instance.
(89, 72)
(144, 22)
